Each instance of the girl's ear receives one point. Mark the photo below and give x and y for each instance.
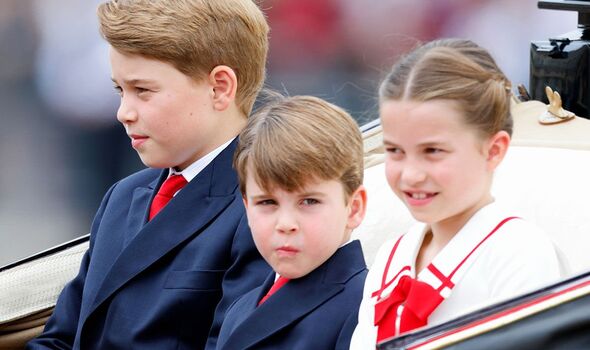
(497, 148)
(358, 207)
(224, 81)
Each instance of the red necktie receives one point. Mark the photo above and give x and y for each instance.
(172, 185)
(278, 284)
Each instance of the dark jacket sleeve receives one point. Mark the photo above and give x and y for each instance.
(60, 330)
(247, 271)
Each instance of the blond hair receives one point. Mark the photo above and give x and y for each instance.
(299, 139)
(194, 36)
(457, 70)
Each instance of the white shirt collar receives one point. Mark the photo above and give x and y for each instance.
(194, 169)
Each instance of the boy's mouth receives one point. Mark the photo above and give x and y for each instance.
(137, 140)
(286, 251)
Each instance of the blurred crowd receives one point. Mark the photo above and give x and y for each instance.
(61, 146)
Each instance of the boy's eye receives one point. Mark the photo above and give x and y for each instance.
(265, 202)
(118, 90)
(433, 150)
(141, 90)
(309, 201)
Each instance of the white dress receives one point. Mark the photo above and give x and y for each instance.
(490, 259)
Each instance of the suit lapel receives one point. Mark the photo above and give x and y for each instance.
(296, 299)
(200, 201)
(139, 208)
(247, 305)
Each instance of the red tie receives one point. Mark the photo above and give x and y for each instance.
(278, 284)
(172, 185)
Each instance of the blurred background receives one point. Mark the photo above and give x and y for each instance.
(61, 146)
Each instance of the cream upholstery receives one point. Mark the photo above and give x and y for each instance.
(35, 285)
(29, 291)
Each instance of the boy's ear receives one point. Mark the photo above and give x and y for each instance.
(224, 81)
(497, 148)
(245, 200)
(358, 207)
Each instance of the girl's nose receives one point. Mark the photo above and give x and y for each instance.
(413, 175)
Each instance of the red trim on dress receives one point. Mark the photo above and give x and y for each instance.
(413, 301)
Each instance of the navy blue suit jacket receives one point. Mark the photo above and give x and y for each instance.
(162, 284)
(317, 311)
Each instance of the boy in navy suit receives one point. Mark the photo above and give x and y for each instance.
(170, 247)
(300, 165)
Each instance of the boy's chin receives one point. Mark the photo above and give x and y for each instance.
(154, 163)
(294, 273)
(290, 274)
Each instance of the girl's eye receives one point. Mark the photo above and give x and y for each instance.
(118, 90)
(394, 153)
(141, 90)
(309, 201)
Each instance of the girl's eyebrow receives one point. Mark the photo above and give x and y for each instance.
(431, 143)
(389, 143)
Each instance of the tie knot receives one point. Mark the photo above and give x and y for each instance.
(172, 185)
(281, 281)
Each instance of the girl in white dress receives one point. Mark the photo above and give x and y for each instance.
(445, 114)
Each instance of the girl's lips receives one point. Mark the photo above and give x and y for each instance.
(417, 199)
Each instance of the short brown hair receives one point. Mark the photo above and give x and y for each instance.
(194, 36)
(295, 140)
(457, 70)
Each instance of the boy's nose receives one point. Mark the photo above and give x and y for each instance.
(126, 114)
(286, 223)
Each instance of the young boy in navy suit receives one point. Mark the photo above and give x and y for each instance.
(170, 247)
(300, 165)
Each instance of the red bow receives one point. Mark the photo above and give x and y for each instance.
(419, 300)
